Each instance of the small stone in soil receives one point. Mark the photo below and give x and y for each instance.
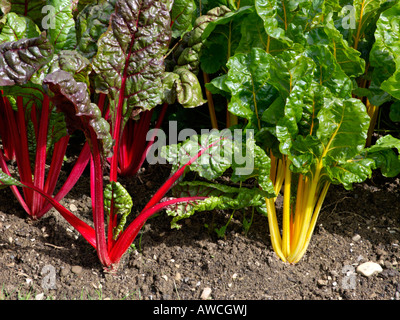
(76, 269)
(39, 296)
(206, 293)
(322, 282)
(178, 276)
(369, 268)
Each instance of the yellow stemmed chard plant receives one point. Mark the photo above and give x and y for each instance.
(290, 81)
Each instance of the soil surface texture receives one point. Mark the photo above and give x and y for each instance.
(48, 259)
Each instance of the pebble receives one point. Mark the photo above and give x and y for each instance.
(73, 207)
(356, 238)
(206, 293)
(322, 282)
(369, 268)
(39, 296)
(178, 276)
(76, 269)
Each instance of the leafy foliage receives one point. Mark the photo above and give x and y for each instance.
(19, 60)
(129, 60)
(116, 196)
(304, 78)
(72, 98)
(292, 74)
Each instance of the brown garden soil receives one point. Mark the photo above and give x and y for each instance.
(172, 264)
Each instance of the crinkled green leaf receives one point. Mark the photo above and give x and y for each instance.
(385, 154)
(186, 54)
(247, 80)
(61, 27)
(391, 85)
(72, 62)
(275, 111)
(385, 57)
(328, 72)
(129, 61)
(339, 138)
(183, 15)
(72, 98)
(182, 86)
(188, 89)
(343, 126)
(276, 16)
(117, 196)
(91, 23)
(222, 36)
(289, 68)
(353, 171)
(19, 60)
(302, 106)
(253, 35)
(357, 22)
(260, 167)
(290, 21)
(17, 28)
(217, 86)
(30, 8)
(258, 81)
(347, 57)
(221, 151)
(212, 163)
(169, 83)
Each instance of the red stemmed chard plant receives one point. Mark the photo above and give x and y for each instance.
(72, 99)
(30, 131)
(129, 72)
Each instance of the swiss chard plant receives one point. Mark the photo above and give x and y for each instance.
(128, 80)
(292, 79)
(177, 87)
(32, 133)
(110, 204)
